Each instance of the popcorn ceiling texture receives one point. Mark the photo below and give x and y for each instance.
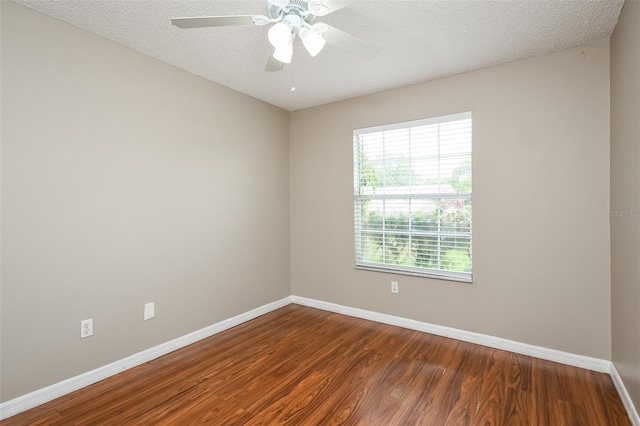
(419, 40)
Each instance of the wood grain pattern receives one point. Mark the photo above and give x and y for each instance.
(303, 366)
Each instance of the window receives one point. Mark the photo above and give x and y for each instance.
(412, 197)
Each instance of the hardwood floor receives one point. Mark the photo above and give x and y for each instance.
(302, 366)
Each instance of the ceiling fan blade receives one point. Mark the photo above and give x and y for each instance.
(334, 5)
(273, 64)
(213, 21)
(347, 42)
(325, 7)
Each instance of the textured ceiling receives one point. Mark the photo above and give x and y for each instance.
(419, 40)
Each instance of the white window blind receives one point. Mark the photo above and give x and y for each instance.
(412, 197)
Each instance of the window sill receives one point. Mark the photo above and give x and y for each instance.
(463, 278)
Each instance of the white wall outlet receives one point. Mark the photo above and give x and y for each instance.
(86, 328)
(149, 310)
(394, 286)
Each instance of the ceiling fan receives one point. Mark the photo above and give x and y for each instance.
(292, 19)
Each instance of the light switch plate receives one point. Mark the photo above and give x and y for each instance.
(149, 310)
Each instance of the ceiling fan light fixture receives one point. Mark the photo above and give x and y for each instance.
(284, 52)
(313, 42)
(280, 35)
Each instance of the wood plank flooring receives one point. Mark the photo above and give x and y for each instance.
(302, 366)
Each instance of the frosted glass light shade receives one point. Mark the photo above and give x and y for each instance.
(280, 34)
(285, 52)
(313, 42)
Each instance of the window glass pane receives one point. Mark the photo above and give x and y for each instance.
(425, 215)
(455, 215)
(371, 247)
(425, 172)
(413, 188)
(424, 250)
(396, 216)
(455, 254)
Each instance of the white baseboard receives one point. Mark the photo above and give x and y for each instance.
(624, 395)
(33, 399)
(595, 364)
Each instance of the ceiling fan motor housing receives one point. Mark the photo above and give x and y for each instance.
(301, 8)
(295, 20)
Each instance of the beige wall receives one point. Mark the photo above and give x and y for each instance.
(541, 193)
(126, 181)
(625, 198)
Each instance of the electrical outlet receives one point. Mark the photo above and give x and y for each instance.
(86, 328)
(394, 286)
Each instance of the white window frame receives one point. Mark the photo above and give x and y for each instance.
(360, 198)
